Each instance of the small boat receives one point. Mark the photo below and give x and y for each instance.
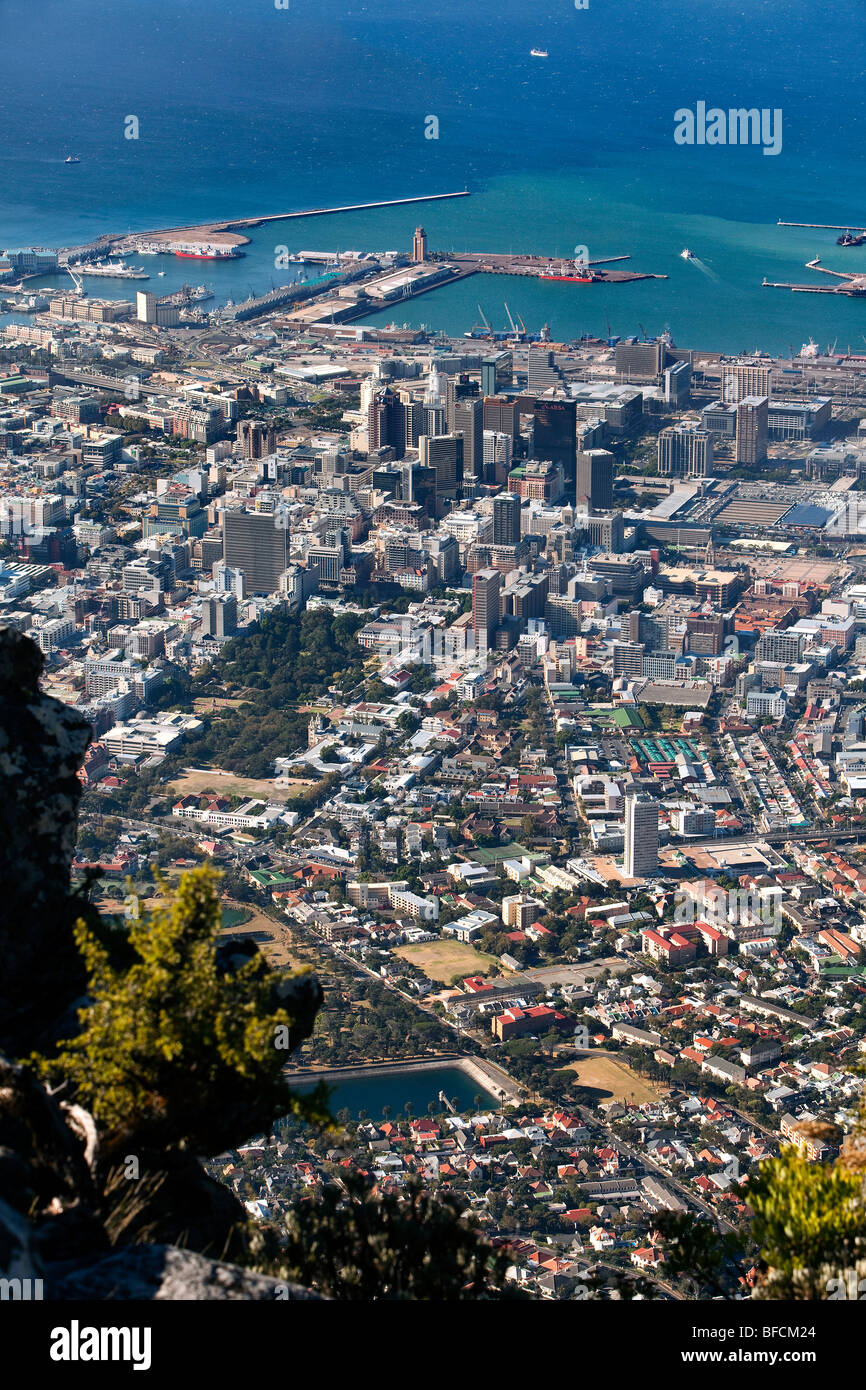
(160, 273)
(72, 159)
(538, 53)
(687, 255)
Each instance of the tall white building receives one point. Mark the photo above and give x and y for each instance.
(641, 836)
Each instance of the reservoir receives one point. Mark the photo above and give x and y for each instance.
(394, 1088)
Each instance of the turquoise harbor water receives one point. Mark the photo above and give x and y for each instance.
(247, 109)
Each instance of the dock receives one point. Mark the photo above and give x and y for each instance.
(826, 226)
(854, 286)
(852, 291)
(499, 263)
(227, 231)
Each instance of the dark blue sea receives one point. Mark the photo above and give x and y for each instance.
(244, 108)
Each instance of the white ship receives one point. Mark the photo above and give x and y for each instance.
(687, 255)
(538, 53)
(111, 270)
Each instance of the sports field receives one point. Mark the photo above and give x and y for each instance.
(613, 1079)
(193, 783)
(442, 960)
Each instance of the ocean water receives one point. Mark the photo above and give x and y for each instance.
(245, 108)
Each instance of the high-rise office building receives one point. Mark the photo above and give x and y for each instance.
(502, 416)
(742, 379)
(256, 439)
(386, 422)
(486, 585)
(468, 416)
(595, 469)
(752, 424)
(542, 371)
(444, 453)
(641, 855)
(706, 633)
(458, 389)
(414, 422)
(506, 519)
(219, 615)
(684, 452)
(254, 543)
(555, 436)
(637, 361)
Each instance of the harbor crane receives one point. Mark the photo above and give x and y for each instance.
(76, 280)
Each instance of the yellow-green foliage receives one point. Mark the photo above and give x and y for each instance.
(807, 1216)
(173, 1050)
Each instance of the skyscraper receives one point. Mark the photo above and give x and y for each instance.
(256, 439)
(684, 453)
(595, 469)
(751, 437)
(444, 452)
(555, 436)
(386, 422)
(254, 543)
(506, 519)
(468, 418)
(457, 389)
(741, 379)
(641, 855)
(486, 585)
(219, 615)
(488, 376)
(502, 416)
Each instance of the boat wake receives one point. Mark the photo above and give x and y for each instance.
(703, 268)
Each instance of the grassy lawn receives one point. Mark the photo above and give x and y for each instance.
(613, 1079)
(227, 784)
(234, 916)
(442, 960)
(204, 704)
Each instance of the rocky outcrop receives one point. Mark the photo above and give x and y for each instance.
(42, 746)
(72, 1215)
(164, 1272)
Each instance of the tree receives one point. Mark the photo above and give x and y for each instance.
(176, 1046)
(352, 1245)
(809, 1220)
